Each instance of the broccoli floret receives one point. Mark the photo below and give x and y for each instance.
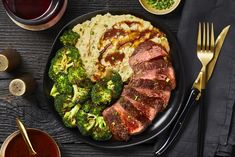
(100, 94)
(91, 124)
(107, 89)
(90, 107)
(86, 107)
(63, 85)
(69, 37)
(69, 117)
(73, 54)
(54, 92)
(62, 104)
(86, 83)
(80, 94)
(65, 58)
(76, 74)
(100, 132)
(114, 83)
(85, 122)
(59, 64)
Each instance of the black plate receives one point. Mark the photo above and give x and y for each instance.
(164, 119)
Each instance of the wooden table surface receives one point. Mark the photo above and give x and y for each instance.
(34, 48)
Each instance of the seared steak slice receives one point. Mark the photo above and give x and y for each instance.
(133, 111)
(148, 111)
(133, 126)
(153, 102)
(146, 51)
(152, 64)
(161, 94)
(165, 74)
(113, 120)
(151, 84)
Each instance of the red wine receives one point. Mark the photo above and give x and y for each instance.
(28, 9)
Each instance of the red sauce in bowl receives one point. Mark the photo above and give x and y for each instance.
(43, 144)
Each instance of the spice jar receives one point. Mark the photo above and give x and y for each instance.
(35, 15)
(23, 85)
(9, 60)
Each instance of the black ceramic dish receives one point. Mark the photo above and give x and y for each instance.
(164, 119)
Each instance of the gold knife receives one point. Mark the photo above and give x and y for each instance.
(195, 91)
(219, 42)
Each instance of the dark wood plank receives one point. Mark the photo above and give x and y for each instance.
(74, 150)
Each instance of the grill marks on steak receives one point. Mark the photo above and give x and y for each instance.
(147, 93)
(146, 51)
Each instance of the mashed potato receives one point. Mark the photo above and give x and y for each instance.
(107, 41)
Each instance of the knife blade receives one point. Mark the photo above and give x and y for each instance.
(219, 42)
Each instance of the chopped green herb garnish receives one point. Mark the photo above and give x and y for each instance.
(161, 4)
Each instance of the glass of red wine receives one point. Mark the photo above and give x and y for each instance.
(35, 15)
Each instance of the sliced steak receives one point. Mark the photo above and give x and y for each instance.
(151, 84)
(133, 126)
(152, 64)
(133, 111)
(146, 51)
(165, 74)
(161, 94)
(113, 120)
(148, 111)
(153, 102)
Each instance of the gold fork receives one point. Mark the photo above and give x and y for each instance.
(205, 53)
(205, 49)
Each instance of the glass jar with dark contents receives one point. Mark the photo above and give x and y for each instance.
(35, 15)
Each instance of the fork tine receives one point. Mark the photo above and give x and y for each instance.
(212, 38)
(199, 38)
(204, 37)
(207, 36)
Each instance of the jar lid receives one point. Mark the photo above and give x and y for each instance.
(3, 63)
(17, 87)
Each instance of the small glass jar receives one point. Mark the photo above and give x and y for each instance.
(35, 15)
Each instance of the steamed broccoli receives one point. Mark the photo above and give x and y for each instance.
(80, 94)
(69, 117)
(90, 107)
(91, 124)
(62, 104)
(76, 74)
(100, 94)
(69, 37)
(114, 83)
(54, 92)
(100, 132)
(107, 89)
(65, 58)
(63, 85)
(85, 122)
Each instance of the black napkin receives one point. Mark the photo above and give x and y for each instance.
(220, 92)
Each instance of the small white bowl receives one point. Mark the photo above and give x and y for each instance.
(155, 11)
